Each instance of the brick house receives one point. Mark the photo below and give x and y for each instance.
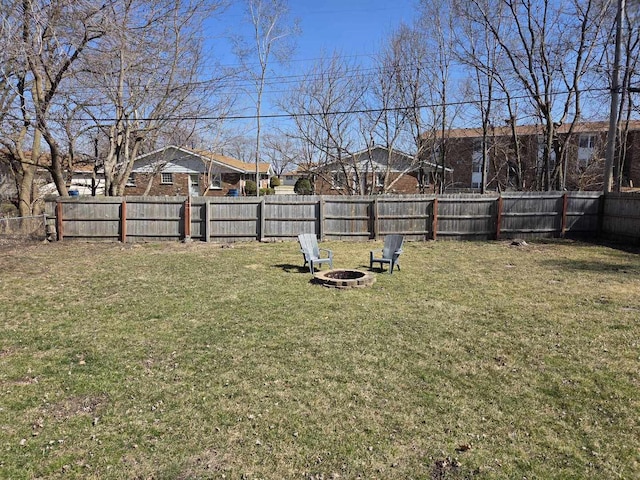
(584, 163)
(176, 170)
(373, 171)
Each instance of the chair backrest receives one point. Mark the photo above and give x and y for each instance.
(309, 244)
(392, 243)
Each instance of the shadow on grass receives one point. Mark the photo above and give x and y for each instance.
(593, 266)
(290, 268)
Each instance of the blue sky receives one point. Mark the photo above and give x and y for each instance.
(354, 28)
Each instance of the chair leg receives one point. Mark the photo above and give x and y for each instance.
(393, 265)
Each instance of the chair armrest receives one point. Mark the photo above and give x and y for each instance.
(329, 252)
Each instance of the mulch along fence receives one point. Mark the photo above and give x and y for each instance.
(418, 217)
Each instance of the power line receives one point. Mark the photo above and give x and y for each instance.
(338, 112)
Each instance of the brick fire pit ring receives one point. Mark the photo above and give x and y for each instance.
(344, 278)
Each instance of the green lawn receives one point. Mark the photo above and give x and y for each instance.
(476, 360)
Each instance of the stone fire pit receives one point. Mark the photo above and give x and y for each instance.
(344, 278)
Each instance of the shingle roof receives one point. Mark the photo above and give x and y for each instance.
(502, 131)
(233, 162)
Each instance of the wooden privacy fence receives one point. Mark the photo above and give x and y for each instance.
(419, 217)
(621, 217)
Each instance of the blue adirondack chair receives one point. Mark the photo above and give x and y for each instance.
(390, 253)
(311, 252)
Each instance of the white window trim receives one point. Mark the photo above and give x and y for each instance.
(336, 179)
(589, 139)
(215, 182)
(165, 182)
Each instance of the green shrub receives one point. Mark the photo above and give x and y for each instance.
(275, 182)
(303, 187)
(250, 188)
(267, 191)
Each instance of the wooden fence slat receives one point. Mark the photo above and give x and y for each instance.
(434, 221)
(123, 221)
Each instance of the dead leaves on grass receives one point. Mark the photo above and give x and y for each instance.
(78, 405)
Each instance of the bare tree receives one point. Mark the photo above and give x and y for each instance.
(549, 47)
(629, 85)
(281, 151)
(148, 78)
(325, 106)
(271, 39)
(438, 25)
(406, 54)
(48, 42)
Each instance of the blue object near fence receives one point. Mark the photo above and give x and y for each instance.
(74, 193)
(233, 192)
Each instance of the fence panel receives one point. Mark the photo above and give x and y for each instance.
(235, 219)
(199, 229)
(152, 219)
(621, 217)
(407, 215)
(286, 216)
(466, 217)
(90, 219)
(348, 218)
(583, 213)
(531, 216)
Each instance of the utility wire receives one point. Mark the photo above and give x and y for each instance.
(337, 112)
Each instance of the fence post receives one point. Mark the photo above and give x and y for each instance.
(123, 221)
(434, 220)
(187, 219)
(499, 217)
(262, 223)
(321, 219)
(565, 203)
(207, 221)
(602, 205)
(59, 220)
(376, 226)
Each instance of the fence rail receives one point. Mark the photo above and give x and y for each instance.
(419, 217)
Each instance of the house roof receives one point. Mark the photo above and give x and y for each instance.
(206, 156)
(524, 130)
(404, 162)
(234, 163)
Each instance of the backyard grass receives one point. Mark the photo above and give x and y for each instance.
(476, 360)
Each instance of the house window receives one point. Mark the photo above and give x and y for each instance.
(379, 179)
(338, 180)
(216, 180)
(541, 149)
(131, 180)
(166, 178)
(587, 141)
